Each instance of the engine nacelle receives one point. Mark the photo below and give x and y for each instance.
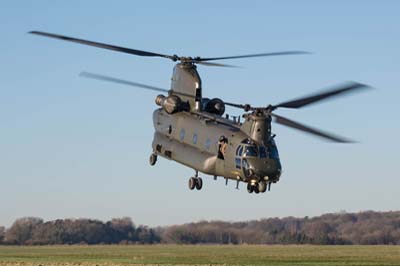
(214, 106)
(171, 104)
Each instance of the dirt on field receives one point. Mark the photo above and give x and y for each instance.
(93, 264)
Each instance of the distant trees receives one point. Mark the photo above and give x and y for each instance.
(365, 228)
(33, 231)
(2, 234)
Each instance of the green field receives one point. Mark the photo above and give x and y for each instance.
(200, 255)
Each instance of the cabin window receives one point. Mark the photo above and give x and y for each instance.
(208, 144)
(169, 129)
(182, 134)
(194, 138)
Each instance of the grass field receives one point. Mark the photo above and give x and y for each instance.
(200, 255)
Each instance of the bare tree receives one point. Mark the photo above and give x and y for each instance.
(21, 230)
(2, 234)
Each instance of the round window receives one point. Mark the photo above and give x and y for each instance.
(182, 134)
(208, 144)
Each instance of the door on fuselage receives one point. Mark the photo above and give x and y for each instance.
(222, 146)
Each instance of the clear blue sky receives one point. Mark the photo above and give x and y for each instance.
(73, 147)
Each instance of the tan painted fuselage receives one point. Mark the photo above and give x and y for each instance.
(193, 141)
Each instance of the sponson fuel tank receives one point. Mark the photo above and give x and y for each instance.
(172, 103)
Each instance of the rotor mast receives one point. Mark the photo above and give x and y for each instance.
(186, 82)
(257, 125)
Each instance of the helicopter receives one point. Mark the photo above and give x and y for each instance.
(195, 131)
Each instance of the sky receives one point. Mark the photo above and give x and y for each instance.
(72, 147)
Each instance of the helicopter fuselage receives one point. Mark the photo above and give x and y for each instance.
(194, 141)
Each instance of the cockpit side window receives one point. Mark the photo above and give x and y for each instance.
(237, 150)
(273, 150)
(240, 150)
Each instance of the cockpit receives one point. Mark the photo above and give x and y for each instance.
(249, 149)
(261, 161)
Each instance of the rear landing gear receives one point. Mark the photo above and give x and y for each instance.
(199, 183)
(195, 182)
(192, 183)
(153, 159)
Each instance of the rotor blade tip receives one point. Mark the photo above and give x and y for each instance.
(359, 85)
(346, 141)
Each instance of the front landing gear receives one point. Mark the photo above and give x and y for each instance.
(195, 182)
(259, 187)
(253, 188)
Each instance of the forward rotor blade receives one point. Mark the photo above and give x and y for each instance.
(336, 91)
(103, 45)
(120, 81)
(213, 64)
(251, 55)
(290, 123)
(245, 107)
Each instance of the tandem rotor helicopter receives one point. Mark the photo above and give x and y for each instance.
(193, 130)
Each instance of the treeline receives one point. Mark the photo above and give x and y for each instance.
(365, 228)
(34, 231)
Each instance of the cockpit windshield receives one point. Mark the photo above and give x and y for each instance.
(250, 149)
(262, 152)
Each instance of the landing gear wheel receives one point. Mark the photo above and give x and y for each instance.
(199, 183)
(250, 188)
(153, 159)
(255, 189)
(192, 183)
(262, 186)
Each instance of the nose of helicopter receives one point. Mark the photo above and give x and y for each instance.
(267, 169)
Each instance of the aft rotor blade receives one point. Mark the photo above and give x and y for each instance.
(336, 91)
(120, 81)
(290, 123)
(130, 83)
(251, 55)
(103, 45)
